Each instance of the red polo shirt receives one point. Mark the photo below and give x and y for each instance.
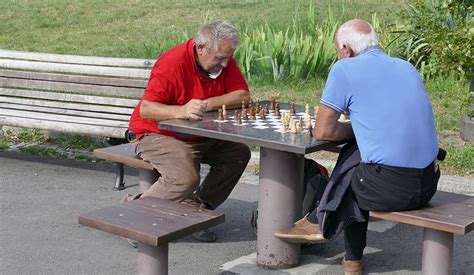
(175, 80)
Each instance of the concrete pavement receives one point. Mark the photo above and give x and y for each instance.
(41, 199)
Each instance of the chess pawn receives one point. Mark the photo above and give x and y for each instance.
(293, 109)
(224, 112)
(299, 126)
(277, 113)
(293, 128)
(239, 119)
(236, 114)
(220, 116)
(310, 129)
(262, 114)
(272, 104)
(306, 108)
(283, 128)
(244, 114)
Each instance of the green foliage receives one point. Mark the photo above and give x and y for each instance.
(436, 36)
(44, 151)
(76, 142)
(22, 135)
(303, 50)
(447, 96)
(461, 158)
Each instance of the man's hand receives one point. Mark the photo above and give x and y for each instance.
(194, 109)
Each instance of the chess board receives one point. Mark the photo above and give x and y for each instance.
(271, 121)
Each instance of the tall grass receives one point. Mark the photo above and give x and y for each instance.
(299, 52)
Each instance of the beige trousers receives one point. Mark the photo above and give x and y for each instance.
(178, 162)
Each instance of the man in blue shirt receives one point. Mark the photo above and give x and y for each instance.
(392, 122)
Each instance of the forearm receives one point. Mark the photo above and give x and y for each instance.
(230, 100)
(160, 112)
(329, 128)
(340, 131)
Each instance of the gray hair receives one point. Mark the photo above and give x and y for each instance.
(349, 34)
(210, 34)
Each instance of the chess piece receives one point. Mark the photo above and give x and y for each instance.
(293, 109)
(299, 125)
(293, 128)
(306, 108)
(310, 129)
(243, 104)
(277, 113)
(224, 112)
(262, 114)
(244, 114)
(220, 116)
(272, 104)
(239, 119)
(235, 115)
(283, 128)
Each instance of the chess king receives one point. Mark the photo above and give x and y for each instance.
(188, 80)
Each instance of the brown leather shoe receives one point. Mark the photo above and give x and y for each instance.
(352, 267)
(303, 231)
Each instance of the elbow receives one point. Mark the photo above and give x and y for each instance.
(323, 135)
(144, 110)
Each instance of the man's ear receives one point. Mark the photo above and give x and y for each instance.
(199, 48)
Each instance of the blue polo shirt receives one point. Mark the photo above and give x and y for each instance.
(390, 112)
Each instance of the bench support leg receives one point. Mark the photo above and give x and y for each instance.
(152, 260)
(119, 184)
(147, 178)
(437, 252)
(279, 206)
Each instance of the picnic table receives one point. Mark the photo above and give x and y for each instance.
(280, 179)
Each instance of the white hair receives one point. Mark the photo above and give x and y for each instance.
(210, 34)
(349, 35)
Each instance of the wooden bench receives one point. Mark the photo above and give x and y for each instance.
(124, 154)
(447, 214)
(85, 95)
(153, 223)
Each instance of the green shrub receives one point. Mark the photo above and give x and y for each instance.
(436, 36)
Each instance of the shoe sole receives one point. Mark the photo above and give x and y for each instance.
(313, 238)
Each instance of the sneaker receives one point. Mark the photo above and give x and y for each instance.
(352, 267)
(303, 231)
(205, 235)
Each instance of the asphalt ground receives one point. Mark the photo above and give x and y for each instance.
(41, 199)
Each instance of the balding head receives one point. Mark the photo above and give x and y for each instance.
(357, 34)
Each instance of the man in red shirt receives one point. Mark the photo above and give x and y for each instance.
(187, 81)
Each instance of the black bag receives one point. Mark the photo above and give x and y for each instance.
(315, 180)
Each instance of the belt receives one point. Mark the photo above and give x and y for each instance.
(130, 135)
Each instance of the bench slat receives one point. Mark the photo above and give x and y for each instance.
(78, 59)
(65, 111)
(74, 128)
(96, 80)
(447, 212)
(75, 69)
(153, 222)
(69, 97)
(72, 87)
(24, 103)
(66, 118)
(123, 153)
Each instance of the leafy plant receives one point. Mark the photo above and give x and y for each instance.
(436, 36)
